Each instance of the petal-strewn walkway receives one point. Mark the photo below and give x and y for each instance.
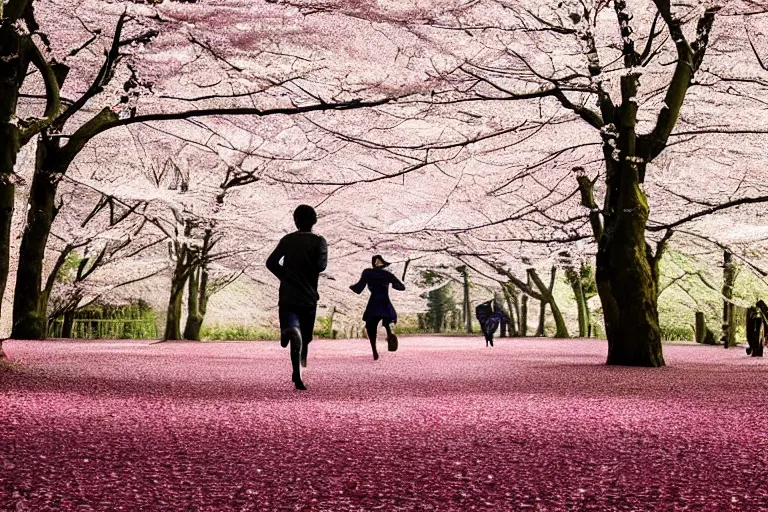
(443, 424)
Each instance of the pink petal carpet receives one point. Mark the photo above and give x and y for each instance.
(443, 424)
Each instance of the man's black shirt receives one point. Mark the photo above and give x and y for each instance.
(304, 255)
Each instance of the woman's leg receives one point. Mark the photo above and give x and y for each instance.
(493, 324)
(370, 327)
(391, 338)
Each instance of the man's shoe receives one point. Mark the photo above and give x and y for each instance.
(375, 355)
(300, 385)
(287, 335)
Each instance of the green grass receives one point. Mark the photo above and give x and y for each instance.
(237, 333)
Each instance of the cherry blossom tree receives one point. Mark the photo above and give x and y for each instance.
(54, 158)
(562, 57)
(521, 130)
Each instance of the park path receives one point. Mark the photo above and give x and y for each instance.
(443, 424)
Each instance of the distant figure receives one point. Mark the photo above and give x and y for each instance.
(304, 256)
(490, 314)
(379, 307)
(757, 331)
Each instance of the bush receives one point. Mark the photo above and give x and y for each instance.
(237, 333)
(669, 333)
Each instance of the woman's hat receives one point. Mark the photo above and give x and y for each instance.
(379, 257)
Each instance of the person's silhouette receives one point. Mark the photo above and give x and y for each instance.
(304, 256)
(490, 314)
(379, 308)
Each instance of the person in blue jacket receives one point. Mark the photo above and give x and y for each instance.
(490, 314)
(379, 308)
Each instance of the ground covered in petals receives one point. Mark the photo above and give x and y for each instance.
(442, 424)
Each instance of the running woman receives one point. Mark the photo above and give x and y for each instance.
(379, 308)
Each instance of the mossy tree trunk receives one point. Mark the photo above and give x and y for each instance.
(548, 298)
(540, 331)
(627, 268)
(625, 276)
(197, 303)
(574, 279)
(198, 292)
(513, 304)
(467, 307)
(15, 55)
(178, 281)
(700, 328)
(30, 318)
(68, 324)
(504, 326)
(523, 316)
(730, 271)
(542, 319)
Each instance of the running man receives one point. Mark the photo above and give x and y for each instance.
(304, 256)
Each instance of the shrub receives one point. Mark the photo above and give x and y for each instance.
(237, 333)
(676, 333)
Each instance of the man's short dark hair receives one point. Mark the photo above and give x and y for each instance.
(304, 217)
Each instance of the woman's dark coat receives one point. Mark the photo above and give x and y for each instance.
(379, 306)
(490, 314)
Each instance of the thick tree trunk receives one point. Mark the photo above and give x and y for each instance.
(13, 66)
(194, 318)
(7, 192)
(729, 279)
(68, 324)
(173, 319)
(179, 279)
(29, 304)
(192, 328)
(197, 303)
(627, 288)
(627, 270)
(625, 274)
